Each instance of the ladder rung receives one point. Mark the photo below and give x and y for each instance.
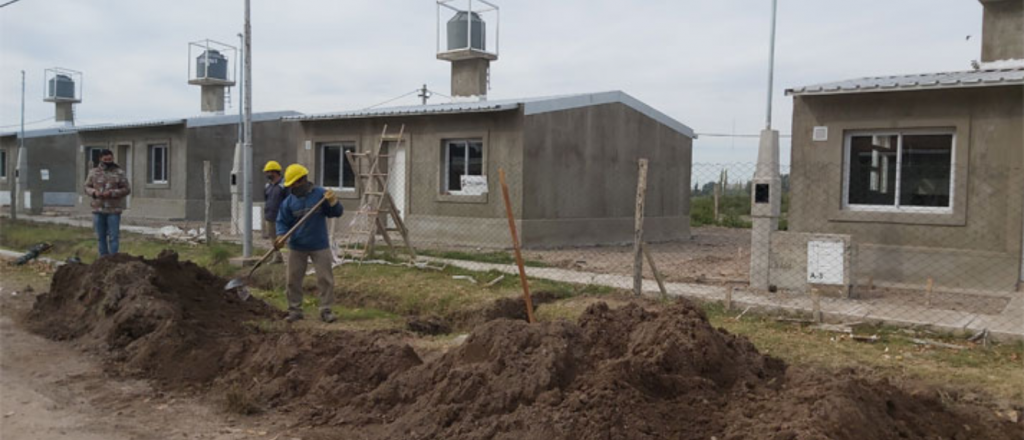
(373, 193)
(391, 137)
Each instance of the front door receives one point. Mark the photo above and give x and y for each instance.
(124, 159)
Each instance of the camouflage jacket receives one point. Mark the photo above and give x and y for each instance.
(112, 181)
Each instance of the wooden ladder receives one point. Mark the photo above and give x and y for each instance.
(376, 200)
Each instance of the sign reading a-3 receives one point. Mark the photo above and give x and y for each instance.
(825, 262)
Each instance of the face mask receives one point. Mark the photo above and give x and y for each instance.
(301, 190)
(270, 178)
(106, 165)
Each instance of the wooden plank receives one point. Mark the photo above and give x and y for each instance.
(208, 200)
(515, 245)
(657, 275)
(638, 230)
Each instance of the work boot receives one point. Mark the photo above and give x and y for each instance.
(326, 315)
(293, 316)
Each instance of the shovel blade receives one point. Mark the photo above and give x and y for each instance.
(235, 283)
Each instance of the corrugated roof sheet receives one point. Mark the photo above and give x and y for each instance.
(926, 81)
(55, 130)
(529, 105)
(192, 122)
(128, 125)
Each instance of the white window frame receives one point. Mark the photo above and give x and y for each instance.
(847, 145)
(151, 164)
(448, 161)
(341, 166)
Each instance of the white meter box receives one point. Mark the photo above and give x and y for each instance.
(825, 263)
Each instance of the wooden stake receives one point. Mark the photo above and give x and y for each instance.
(515, 245)
(871, 284)
(928, 293)
(638, 230)
(208, 182)
(728, 298)
(816, 304)
(715, 191)
(657, 275)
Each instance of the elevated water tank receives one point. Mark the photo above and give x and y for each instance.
(217, 69)
(458, 31)
(61, 86)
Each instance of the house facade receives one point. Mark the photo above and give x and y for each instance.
(49, 178)
(924, 172)
(570, 164)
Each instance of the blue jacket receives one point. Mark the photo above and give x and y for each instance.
(311, 236)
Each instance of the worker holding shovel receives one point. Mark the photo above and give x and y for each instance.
(309, 241)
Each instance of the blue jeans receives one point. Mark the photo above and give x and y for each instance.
(108, 230)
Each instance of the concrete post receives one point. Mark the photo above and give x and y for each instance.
(765, 208)
(469, 77)
(65, 113)
(212, 98)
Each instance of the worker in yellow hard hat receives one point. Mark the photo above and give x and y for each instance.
(309, 242)
(273, 194)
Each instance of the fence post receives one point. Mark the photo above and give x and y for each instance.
(208, 181)
(638, 230)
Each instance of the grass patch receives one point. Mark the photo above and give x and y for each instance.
(70, 241)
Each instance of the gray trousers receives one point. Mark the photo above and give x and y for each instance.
(297, 263)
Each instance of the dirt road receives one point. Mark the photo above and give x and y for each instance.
(52, 390)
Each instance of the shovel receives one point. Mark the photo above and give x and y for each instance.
(240, 282)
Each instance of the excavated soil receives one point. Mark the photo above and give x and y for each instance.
(626, 373)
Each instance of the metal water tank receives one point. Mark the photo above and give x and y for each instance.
(458, 28)
(61, 86)
(218, 68)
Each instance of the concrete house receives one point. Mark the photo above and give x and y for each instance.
(49, 177)
(570, 161)
(925, 173)
(164, 161)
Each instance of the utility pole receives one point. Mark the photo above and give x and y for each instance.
(424, 94)
(771, 67)
(21, 154)
(247, 143)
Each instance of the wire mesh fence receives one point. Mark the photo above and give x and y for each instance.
(904, 240)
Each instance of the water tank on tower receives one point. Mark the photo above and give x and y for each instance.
(459, 31)
(212, 64)
(61, 87)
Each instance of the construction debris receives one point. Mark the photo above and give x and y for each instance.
(934, 343)
(33, 253)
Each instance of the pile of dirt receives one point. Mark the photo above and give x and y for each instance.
(632, 373)
(626, 373)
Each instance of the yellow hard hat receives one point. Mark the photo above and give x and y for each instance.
(294, 173)
(272, 166)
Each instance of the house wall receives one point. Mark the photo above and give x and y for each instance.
(429, 214)
(55, 154)
(581, 176)
(978, 244)
(272, 140)
(1003, 30)
(148, 200)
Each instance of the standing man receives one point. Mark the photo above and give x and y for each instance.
(273, 195)
(309, 242)
(108, 186)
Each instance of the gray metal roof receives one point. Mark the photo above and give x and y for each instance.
(926, 81)
(192, 122)
(530, 106)
(129, 125)
(42, 132)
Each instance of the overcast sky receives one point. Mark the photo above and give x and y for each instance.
(703, 62)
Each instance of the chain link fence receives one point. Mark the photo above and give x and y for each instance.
(898, 240)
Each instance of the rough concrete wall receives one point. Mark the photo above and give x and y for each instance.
(8, 144)
(580, 172)
(272, 140)
(428, 212)
(1003, 30)
(149, 200)
(989, 187)
(56, 154)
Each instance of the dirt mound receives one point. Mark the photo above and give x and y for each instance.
(626, 373)
(632, 373)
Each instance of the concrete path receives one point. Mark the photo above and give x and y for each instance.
(1008, 324)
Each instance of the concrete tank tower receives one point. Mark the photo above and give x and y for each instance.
(63, 87)
(210, 68)
(464, 34)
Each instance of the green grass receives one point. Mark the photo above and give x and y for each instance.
(69, 241)
(733, 210)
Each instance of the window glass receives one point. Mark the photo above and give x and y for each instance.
(476, 159)
(158, 163)
(456, 164)
(873, 170)
(330, 174)
(348, 176)
(925, 170)
(3, 163)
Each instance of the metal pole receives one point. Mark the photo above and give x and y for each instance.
(247, 145)
(21, 153)
(771, 68)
